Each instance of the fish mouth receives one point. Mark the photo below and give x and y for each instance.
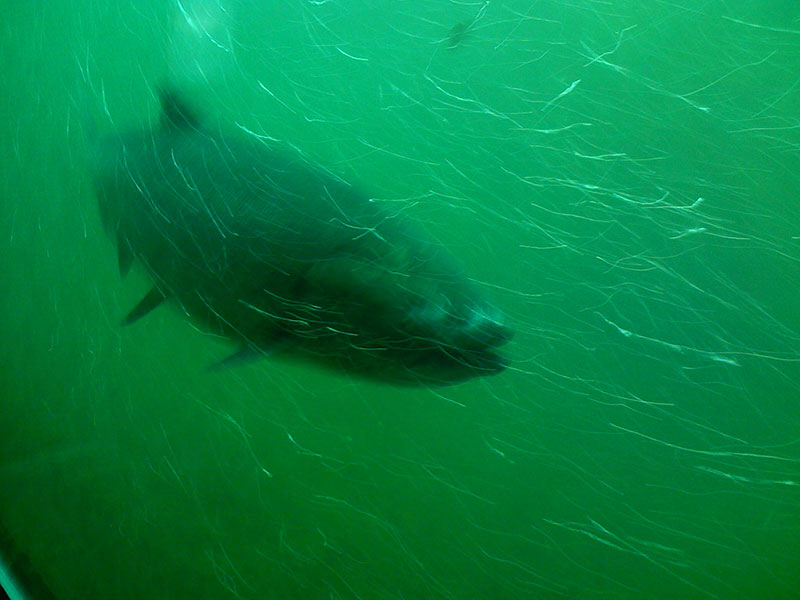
(483, 357)
(476, 357)
(483, 362)
(443, 366)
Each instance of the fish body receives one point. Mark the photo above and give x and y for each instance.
(277, 254)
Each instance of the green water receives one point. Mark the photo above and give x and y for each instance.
(622, 176)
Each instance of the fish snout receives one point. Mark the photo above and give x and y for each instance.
(472, 326)
(483, 327)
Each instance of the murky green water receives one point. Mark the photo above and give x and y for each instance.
(621, 176)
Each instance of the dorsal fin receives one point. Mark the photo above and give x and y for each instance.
(175, 112)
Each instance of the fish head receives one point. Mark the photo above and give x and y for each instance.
(456, 335)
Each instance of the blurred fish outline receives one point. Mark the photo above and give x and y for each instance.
(259, 245)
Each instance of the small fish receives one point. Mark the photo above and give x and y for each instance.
(457, 33)
(256, 244)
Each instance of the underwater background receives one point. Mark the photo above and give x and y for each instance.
(622, 177)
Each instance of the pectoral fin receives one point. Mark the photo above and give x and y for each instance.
(153, 298)
(248, 354)
(244, 356)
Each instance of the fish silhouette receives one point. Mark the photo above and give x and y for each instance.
(259, 245)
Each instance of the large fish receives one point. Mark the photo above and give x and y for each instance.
(282, 257)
